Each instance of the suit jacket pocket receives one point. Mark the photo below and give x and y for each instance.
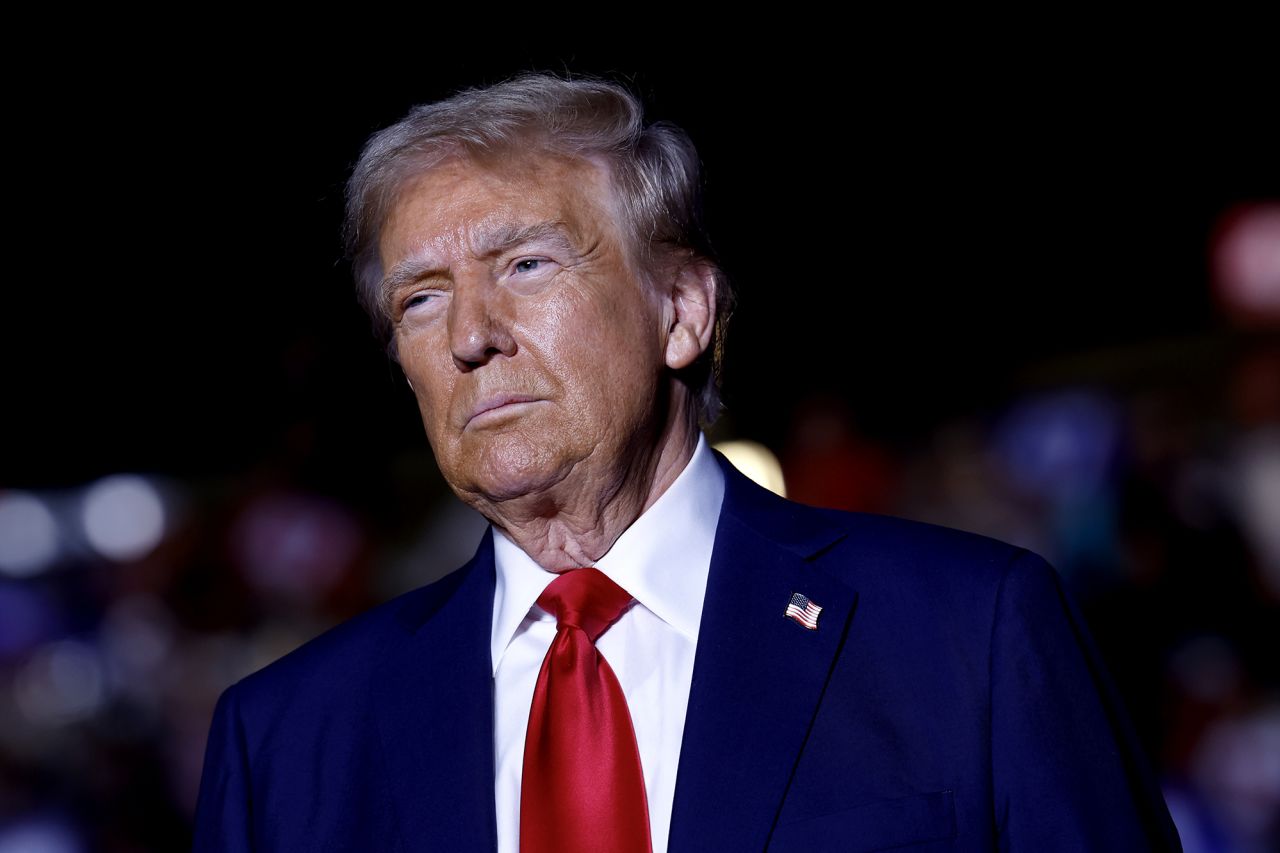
(877, 825)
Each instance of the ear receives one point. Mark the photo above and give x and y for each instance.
(693, 313)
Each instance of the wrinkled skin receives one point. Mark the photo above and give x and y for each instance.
(544, 363)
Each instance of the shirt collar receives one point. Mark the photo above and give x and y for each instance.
(662, 559)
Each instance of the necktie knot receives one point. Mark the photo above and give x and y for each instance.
(584, 598)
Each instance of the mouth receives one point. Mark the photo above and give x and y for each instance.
(497, 407)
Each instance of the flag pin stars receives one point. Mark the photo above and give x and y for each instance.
(804, 611)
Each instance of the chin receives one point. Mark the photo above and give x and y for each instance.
(516, 469)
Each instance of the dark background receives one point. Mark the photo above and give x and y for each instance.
(922, 242)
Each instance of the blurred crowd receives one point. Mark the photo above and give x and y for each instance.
(1149, 476)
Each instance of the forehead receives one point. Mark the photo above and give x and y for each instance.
(460, 201)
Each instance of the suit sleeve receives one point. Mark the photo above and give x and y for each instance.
(1068, 771)
(223, 808)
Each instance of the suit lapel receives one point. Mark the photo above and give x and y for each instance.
(433, 704)
(758, 676)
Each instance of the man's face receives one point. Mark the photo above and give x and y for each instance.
(532, 345)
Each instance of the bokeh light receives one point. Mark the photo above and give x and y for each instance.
(1060, 445)
(294, 545)
(40, 835)
(757, 462)
(28, 535)
(27, 618)
(1246, 261)
(61, 683)
(123, 517)
(1257, 496)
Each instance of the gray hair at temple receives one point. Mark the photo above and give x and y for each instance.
(654, 170)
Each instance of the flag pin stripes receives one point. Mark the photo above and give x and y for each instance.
(804, 611)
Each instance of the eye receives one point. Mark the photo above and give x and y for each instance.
(419, 300)
(529, 274)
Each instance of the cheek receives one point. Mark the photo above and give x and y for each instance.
(609, 354)
(431, 380)
(603, 323)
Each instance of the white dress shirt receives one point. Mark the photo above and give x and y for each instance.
(662, 559)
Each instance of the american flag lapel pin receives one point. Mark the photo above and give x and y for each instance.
(804, 611)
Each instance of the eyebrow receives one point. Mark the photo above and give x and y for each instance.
(489, 242)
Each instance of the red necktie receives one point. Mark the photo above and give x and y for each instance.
(582, 789)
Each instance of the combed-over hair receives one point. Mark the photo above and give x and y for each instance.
(654, 170)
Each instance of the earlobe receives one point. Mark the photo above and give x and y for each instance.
(693, 303)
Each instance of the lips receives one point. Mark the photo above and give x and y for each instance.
(494, 404)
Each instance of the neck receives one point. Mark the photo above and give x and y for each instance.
(577, 523)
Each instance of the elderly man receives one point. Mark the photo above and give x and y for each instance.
(647, 651)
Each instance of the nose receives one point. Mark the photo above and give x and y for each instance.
(477, 330)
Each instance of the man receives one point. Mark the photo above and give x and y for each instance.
(766, 675)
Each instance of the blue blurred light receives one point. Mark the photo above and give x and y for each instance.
(27, 618)
(1060, 445)
(40, 835)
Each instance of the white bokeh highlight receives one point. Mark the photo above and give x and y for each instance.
(123, 517)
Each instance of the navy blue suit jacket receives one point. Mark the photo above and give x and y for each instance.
(948, 700)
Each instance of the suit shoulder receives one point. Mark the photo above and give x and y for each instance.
(908, 536)
(904, 551)
(947, 585)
